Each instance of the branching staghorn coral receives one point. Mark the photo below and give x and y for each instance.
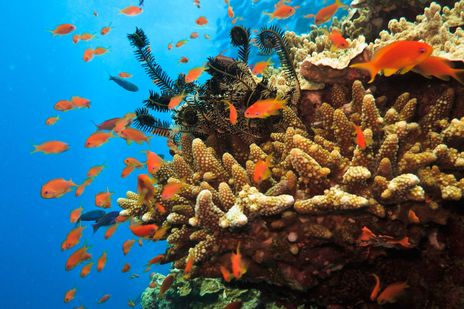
(300, 228)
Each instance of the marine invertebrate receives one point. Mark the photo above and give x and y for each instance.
(303, 226)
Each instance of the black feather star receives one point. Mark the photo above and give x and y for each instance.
(273, 38)
(157, 102)
(240, 37)
(146, 122)
(139, 40)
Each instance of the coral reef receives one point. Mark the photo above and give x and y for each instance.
(301, 226)
(209, 293)
(362, 181)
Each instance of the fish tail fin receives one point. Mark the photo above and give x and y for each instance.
(270, 15)
(35, 149)
(367, 66)
(459, 76)
(341, 4)
(94, 228)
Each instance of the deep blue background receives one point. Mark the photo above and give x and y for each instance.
(37, 71)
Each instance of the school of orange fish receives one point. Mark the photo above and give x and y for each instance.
(401, 56)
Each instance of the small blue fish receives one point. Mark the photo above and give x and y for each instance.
(124, 83)
(92, 215)
(106, 220)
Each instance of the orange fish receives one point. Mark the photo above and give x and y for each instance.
(232, 112)
(238, 267)
(161, 233)
(63, 29)
(94, 171)
(194, 74)
(86, 36)
(196, 3)
(366, 234)
(123, 122)
(69, 295)
(189, 264)
(75, 215)
(337, 39)
(80, 189)
(143, 230)
(376, 289)
(134, 135)
(104, 298)
(392, 292)
(76, 38)
(105, 30)
(97, 139)
(140, 242)
(131, 303)
(230, 11)
(169, 46)
(167, 282)
(225, 273)
(262, 170)
(156, 259)
(265, 108)
(85, 271)
(440, 68)
(100, 51)
(326, 13)
(56, 188)
(127, 245)
(131, 10)
(80, 102)
(194, 35)
(201, 21)
(126, 171)
(72, 239)
(110, 231)
(161, 209)
(125, 75)
(52, 120)
(360, 140)
(120, 219)
(404, 242)
(101, 262)
(77, 257)
(126, 268)
(145, 188)
(183, 60)
(103, 199)
(261, 66)
(152, 285)
(170, 189)
(282, 11)
(63, 105)
(398, 56)
(206, 36)
(51, 147)
(176, 100)
(181, 43)
(88, 55)
(413, 218)
(107, 124)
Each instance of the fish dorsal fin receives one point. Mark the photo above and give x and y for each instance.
(407, 69)
(389, 72)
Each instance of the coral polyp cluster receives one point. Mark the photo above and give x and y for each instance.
(304, 223)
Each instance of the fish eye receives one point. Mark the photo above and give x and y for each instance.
(421, 50)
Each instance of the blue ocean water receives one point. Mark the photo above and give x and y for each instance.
(37, 71)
